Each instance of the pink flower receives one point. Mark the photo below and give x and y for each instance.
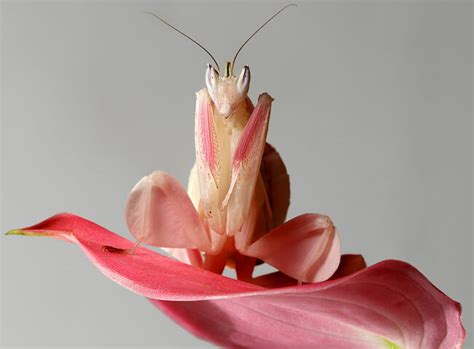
(387, 305)
(233, 215)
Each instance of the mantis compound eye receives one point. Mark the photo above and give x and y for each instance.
(211, 79)
(243, 81)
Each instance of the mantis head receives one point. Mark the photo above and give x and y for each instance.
(229, 91)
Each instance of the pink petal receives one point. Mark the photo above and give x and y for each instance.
(160, 213)
(144, 272)
(388, 304)
(306, 248)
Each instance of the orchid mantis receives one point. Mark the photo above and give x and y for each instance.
(236, 204)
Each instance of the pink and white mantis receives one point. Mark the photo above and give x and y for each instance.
(238, 194)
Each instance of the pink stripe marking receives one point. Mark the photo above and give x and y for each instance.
(208, 137)
(254, 130)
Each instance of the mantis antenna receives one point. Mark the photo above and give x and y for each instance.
(255, 32)
(185, 35)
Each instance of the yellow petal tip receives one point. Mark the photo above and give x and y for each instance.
(25, 233)
(390, 344)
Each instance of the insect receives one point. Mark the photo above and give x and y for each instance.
(239, 188)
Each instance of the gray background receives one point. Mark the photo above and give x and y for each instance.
(372, 114)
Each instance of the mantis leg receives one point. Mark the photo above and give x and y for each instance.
(307, 248)
(246, 165)
(160, 213)
(350, 263)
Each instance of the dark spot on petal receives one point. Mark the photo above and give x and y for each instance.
(111, 249)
